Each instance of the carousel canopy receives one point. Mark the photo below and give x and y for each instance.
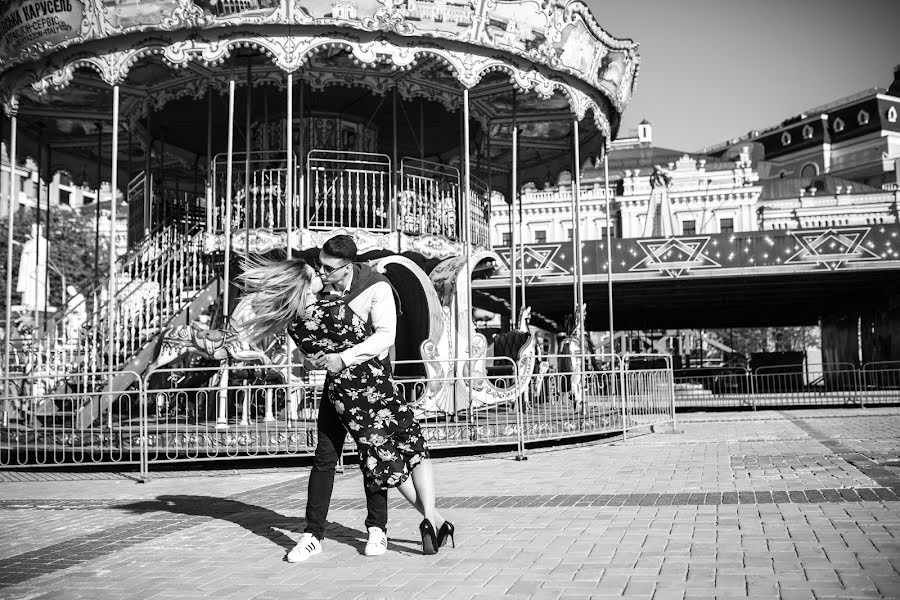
(539, 65)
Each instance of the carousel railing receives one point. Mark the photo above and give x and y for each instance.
(428, 202)
(344, 189)
(480, 211)
(259, 190)
(348, 189)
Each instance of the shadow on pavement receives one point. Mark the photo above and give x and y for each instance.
(261, 521)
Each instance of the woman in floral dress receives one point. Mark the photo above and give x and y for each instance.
(389, 440)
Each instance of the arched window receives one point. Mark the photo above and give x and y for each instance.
(807, 132)
(838, 125)
(892, 114)
(807, 173)
(862, 117)
(785, 138)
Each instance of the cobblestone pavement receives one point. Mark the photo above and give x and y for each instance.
(796, 505)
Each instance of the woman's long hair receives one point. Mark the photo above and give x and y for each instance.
(276, 291)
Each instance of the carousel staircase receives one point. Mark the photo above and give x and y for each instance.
(165, 281)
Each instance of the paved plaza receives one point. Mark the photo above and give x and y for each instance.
(774, 504)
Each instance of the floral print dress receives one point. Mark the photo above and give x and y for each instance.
(388, 438)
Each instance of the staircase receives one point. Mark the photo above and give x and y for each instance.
(106, 345)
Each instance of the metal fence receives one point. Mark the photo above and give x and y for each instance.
(788, 386)
(212, 411)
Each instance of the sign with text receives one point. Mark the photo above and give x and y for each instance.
(25, 23)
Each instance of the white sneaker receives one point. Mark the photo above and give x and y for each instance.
(309, 545)
(377, 542)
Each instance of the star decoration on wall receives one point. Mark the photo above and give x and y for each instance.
(832, 248)
(674, 256)
(540, 261)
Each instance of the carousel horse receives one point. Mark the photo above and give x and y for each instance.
(229, 351)
(570, 349)
(513, 344)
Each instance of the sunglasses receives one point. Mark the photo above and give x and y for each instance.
(326, 270)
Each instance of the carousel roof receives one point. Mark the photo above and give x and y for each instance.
(541, 65)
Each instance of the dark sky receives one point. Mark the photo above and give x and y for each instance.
(715, 69)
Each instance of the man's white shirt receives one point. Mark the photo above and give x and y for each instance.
(374, 304)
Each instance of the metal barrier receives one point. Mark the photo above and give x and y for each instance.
(255, 411)
(649, 391)
(792, 388)
(41, 422)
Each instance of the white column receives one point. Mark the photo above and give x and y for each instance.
(513, 220)
(222, 418)
(576, 234)
(13, 204)
(609, 242)
(467, 224)
(111, 291)
(289, 399)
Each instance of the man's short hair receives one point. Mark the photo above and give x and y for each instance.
(341, 246)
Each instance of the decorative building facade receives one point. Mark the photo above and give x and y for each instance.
(697, 194)
(856, 138)
(658, 192)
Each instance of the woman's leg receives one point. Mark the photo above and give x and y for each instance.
(418, 489)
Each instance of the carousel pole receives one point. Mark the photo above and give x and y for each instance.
(422, 130)
(148, 174)
(289, 168)
(576, 235)
(222, 417)
(521, 237)
(48, 176)
(247, 163)
(209, 158)
(609, 262)
(13, 204)
(579, 314)
(37, 249)
(113, 187)
(301, 159)
(288, 223)
(513, 221)
(467, 248)
(395, 170)
(97, 203)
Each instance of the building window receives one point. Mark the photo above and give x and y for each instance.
(689, 228)
(892, 114)
(569, 234)
(63, 196)
(807, 132)
(862, 117)
(838, 125)
(807, 173)
(540, 237)
(726, 225)
(507, 238)
(785, 138)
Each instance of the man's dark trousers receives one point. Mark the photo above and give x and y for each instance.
(331, 435)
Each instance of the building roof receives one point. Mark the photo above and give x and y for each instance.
(645, 157)
(789, 187)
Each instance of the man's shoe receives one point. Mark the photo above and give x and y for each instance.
(309, 545)
(377, 543)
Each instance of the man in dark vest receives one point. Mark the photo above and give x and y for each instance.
(369, 295)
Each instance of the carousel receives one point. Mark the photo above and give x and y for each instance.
(226, 129)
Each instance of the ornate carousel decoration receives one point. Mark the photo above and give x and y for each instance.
(229, 128)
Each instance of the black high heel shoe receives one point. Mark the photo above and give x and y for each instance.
(429, 538)
(446, 531)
